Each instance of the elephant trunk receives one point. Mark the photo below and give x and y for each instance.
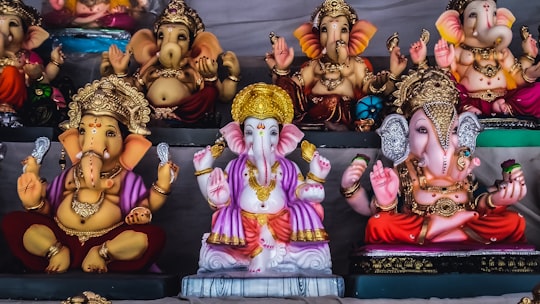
(264, 158)
(91, 165)
(170, 56)
(499, 37)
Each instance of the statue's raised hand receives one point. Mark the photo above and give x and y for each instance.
(230, 61)
(319, 166)
(418, 52)
(218, 190)
(530, 46)
(138, 216)
(353, 173)
(283, 55)
(385, 184)
(511, 189)
(313, 193)
(398, 62)
(203, 159)
(444, 54)
(30, 189)
(207, 67)
(119, 60)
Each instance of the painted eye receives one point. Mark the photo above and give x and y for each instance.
(454, 131)
(345, 30)
(81, 131)
(110, 133)
(274, 132)
(182, 37)
(160, 35)
(324, 29)
(422, 130)
(473, 15)
(248, 132)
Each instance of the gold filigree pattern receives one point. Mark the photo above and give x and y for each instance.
(114, 97)
(334, 8)
(29, 15)
(261, 100)
(178, 12)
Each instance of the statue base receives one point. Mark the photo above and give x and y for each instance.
(446, 270)
(275, 285)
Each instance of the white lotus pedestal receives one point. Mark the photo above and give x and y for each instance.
(245, 284)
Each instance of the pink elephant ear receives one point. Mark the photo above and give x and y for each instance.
(361, 33)
(206, 44)
(449, 27)
(35, 36)
(289, 137)
(234, 137)
(309, 41)
(505, 17)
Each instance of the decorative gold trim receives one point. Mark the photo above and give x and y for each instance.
(54, 250)
(315, 178)
(38, 206)
(160, 190)
(349, 192)
(203, 171)
(84, 236)
(261, 100)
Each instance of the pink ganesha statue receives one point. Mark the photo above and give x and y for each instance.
(96, 215)
(326, 89)
(430, 195)
(178, 68)
(490, 79)
(267, 216)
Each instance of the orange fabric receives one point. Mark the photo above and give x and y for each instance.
(279, 225)
(12, 87)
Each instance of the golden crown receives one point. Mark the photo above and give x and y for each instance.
(261, 100)
(460, 5)
(114, 97)
(424, 86)
(28, 14)
(178, 12)
(333, 8)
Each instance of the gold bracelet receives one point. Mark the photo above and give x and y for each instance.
(315, 178)
(477, 199)
(203, 171)
(37, 207)
(56, 63)
(423, 65)
(104, 252)
(54, 250)
(386, 208)
(527, 78)
(211, 79)
(393, 77)
(122, 75)
(234, 78)
(280, 72)
(160, 190)
(349, 192)
(377, 91)
(528, 57)
(489, 202)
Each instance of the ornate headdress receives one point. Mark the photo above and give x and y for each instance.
(261, 100)
(114, 97)
(434, 91)
(459, 5)
(178, 12)
(28, 14)
(333, 8)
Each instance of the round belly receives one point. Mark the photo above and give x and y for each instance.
(475, 81)
(251, 203)
(167, 92)
(106, 216)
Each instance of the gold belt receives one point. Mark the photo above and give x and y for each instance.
(488, 95)
(443, 206)
(85, 235)
(263, 218)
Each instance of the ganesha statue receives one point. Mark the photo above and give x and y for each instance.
(476, 35)
(96, 215)
(178, 68)
(267, 217)
(117, 14)
(23, 74)
(326, 89)
(430, 196)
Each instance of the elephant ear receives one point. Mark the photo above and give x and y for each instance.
(35, 36)
(449, 27)
(394, 133)
(70, 141)
(143, 44)
(309, 41)
(289, 137)
(468, 129)
(233, 135)
(505, 17)
(361, 33)
(206, 44)
(135, 147)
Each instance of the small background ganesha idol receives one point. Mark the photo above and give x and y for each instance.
(267, 216)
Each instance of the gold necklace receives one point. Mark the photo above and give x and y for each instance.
(262, 192)
(488, 70)
(422, 182)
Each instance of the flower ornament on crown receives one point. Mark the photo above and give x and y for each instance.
(434, 91)
(29, 15)
(111, 96)
(261, 101)
(178, 12)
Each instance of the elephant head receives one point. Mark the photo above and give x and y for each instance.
(101, 115)
(20, 28)
(476, 23)
(334, 31)
(430, 130)
(178, 36)
(262, 127)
